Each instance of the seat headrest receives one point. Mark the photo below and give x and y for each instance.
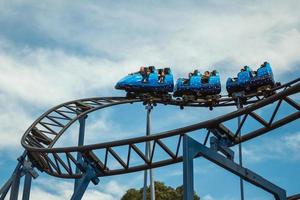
(167, 70)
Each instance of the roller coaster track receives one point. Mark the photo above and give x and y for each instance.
(40, 138)
(127, 155)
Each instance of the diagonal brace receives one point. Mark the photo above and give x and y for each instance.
(193, 148)
(89, 175)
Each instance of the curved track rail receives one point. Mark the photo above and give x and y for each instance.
(121, 156)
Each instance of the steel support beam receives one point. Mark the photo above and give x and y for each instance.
(23, 168)
(27, 186)
(29, 173)
(88, 176)
(239, 106)
(4, 190)
(189, 153)
(14, 191)
(149, 108)
(14, 181)
(82, 121)
(193, 148)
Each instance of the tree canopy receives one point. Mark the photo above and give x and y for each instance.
(162, 192)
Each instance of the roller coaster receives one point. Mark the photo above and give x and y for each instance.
(88, 163)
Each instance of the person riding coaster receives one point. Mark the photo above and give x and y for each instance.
(250, 81)
(187, 80)
(161, 75)
(198, 85)
(148, 80)
(145, 72)
(194, 73)
(205, 77)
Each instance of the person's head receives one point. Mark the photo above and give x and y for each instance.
(142, 68)
(206, 73)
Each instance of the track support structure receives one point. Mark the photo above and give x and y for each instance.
(149, 108)
(192, 148)
(90, 175)
(23, 168)
(82, 121)
(239, 105)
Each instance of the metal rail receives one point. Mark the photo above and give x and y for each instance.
(61, 162)
(87, 162)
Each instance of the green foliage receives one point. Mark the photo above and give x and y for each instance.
(162, 192)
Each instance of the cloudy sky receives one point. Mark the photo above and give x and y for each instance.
(56, 51)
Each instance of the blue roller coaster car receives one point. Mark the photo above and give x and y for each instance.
(198, 85)
(148, 80)
(250, 81)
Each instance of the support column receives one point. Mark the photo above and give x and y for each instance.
(88, 176)
(239, 106)
(192, 148)
(14, 192)
(23, 168)
(82, 121)
(27, 186)
(149, 107)
(188, 171)
(4, 190)
(29, 173)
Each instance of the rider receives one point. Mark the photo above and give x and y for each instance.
(214, 72)
(186, 81)
(196, 72)
(144, 73)
(205, 77)
(264, 64)
(161, 75)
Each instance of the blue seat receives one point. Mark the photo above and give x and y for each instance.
(250, 81)
(195, 86)
(135, 83)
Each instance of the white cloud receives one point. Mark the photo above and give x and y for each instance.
(50, 190)
(285, 146)
(14, 122)
(46, 77)
(183, 36)
(208, 197)
(57, 51)
(115, 188)
(293, 142)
